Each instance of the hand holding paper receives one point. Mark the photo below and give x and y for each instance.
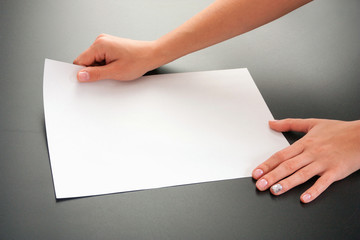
(111, 57)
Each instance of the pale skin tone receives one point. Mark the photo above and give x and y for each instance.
(330, 149)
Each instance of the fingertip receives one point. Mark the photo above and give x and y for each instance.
(272, 123)
(262, 184)
(318, 188)
(279, 125)
(83, 76)
(306, 198)
(276, 189)
(257, 173)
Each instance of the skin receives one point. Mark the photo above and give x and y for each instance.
(330, 149)
(125, 59)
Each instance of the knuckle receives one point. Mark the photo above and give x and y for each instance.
(102, 35)
(289, 167)
(339, 172)
(308, 142)
(301, 144)
(265, 166)
(95, 74)
(323, 183)
(304, 174)
(290, 121)
(101, 39)
(271, 179)
(315, 191)
(280, 155)
(320, 149)
(327, 179)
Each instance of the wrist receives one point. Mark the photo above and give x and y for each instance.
(161, 54)
(169, 48)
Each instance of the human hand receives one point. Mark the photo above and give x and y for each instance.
(116, 58)
(330, 149)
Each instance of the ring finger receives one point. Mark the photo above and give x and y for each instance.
(285, 169)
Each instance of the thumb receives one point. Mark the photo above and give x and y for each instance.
(93, 74)
(290, 124)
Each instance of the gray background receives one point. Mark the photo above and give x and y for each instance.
(305, 64)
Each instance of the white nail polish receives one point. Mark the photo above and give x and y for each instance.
(276, 188)
(306, 198)
(84, 76)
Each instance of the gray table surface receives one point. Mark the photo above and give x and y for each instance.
(305, 64)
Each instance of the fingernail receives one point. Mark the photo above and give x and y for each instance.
(261, 184)
(306, 198)
(276, 188)
(258, 173)
(84, 76)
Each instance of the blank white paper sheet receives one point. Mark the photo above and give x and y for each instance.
(158, 131)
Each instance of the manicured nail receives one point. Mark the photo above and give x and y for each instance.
(261, 184)
(276, 188)
(258, 173)
(306, 198)
(84, 76)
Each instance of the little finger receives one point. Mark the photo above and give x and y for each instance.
(319, 187)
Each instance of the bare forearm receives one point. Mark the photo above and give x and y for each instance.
(129, 59)
(220, 21)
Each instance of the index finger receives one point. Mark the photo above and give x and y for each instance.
(88, 57)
